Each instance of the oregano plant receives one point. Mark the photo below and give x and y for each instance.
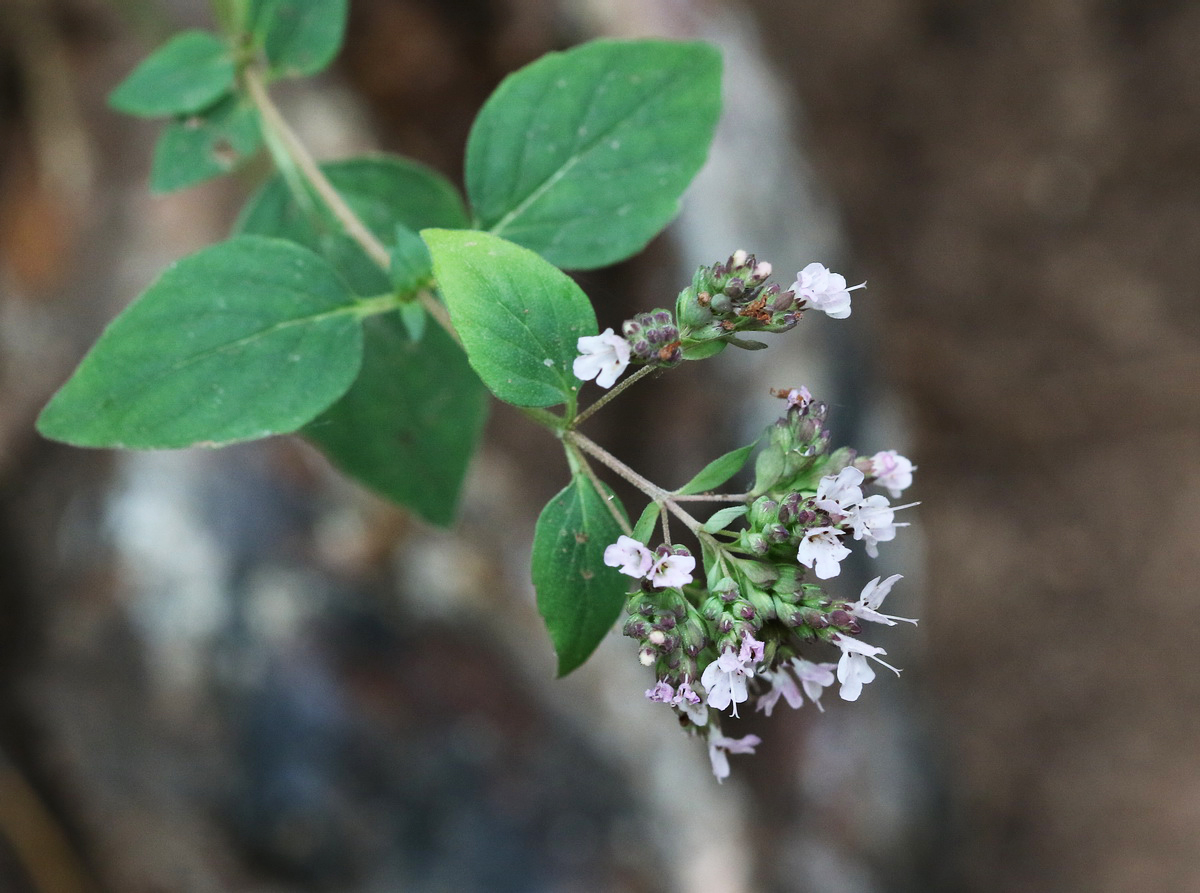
(366, 305)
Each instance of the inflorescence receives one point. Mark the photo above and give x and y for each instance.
(743, 628)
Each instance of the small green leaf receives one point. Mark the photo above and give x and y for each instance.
(644, 528)
(383, 190)
(582, 156)
(746, 344)
(189, 72)
(717, 472)
(197, 147)
(409, 425)
(578, 597)
(702, 350)
(414, 318)
(519, 317)
(242, 340)
(300, 37)
(722, 519)
(412, 265)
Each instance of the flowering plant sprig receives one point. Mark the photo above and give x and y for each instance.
(370, 307)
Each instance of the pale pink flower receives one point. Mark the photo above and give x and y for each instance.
(684, 698)
(671, 570)
(720, 746)
(725, 679)
(814, 678)
(799, 397)
(892, 471)
(820, 289)
(873, 594)
(631, 557)
(836, 494)
(873, 521)
(853, 671)
(782, 684)
(602, 357)
(821, 550)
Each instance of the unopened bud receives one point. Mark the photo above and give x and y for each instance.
(735, 288)
(646, 657)
(656, 637)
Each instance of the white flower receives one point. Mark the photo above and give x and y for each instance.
(822, 290)
(671, 570)
(822, 548)
(602, 357)
(798, 397)
(853, 671)
(836, 494)
(718, 744)
(814, 678)
(873, 594)
(630, 556)
(873, 521)
(685, 699)
(892, 472)
(725, 679)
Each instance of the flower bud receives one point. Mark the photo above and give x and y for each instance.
(764, 605)
(763, 511)
(840, 618)
(635, 628)
(735, 288)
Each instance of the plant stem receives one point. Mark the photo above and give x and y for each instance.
(582, 464)
(274, 121)
(637, 376)
(711, 497)
(658, 494)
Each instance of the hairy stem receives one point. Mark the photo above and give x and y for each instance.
(287, 139)
(637, 376)
(581, 463)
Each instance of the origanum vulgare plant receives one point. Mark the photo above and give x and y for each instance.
(362, 304)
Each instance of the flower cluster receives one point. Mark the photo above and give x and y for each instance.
(724, 299)
(738, 633)
(745, 633)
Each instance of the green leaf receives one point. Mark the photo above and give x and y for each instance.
(718, 471)
(644, 527)
(519, 317)
(578, 597)
(383, 190)
(300, 37)
(411, 422)
(412, 265)
(197, 147)
(242, 340)
(413, 315)
(189, 72)
(722, 519)
(702, 350)
(582, 156)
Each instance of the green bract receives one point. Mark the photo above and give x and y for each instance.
(582, 156)
(189, 72)
(519, 317)
(578, 597)
(718, 471)
(242, 340)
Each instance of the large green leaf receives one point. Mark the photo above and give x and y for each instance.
(411, 422)
(519, 317)
(190, 71)
(382, 190)
(578, 596)
(300, 37)
(245, 339)
(195, 148)
(582, 156)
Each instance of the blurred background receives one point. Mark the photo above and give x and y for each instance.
(235, 670)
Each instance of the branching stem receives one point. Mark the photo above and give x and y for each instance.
(286, 138)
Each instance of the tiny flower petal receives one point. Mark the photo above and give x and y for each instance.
(853, 671)
(671, 571)
(602, 357)
(892, 471)
(873, 594)
(630, 556)
(821, 550)
(719, 746)
(823, 290)
(837, 493)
